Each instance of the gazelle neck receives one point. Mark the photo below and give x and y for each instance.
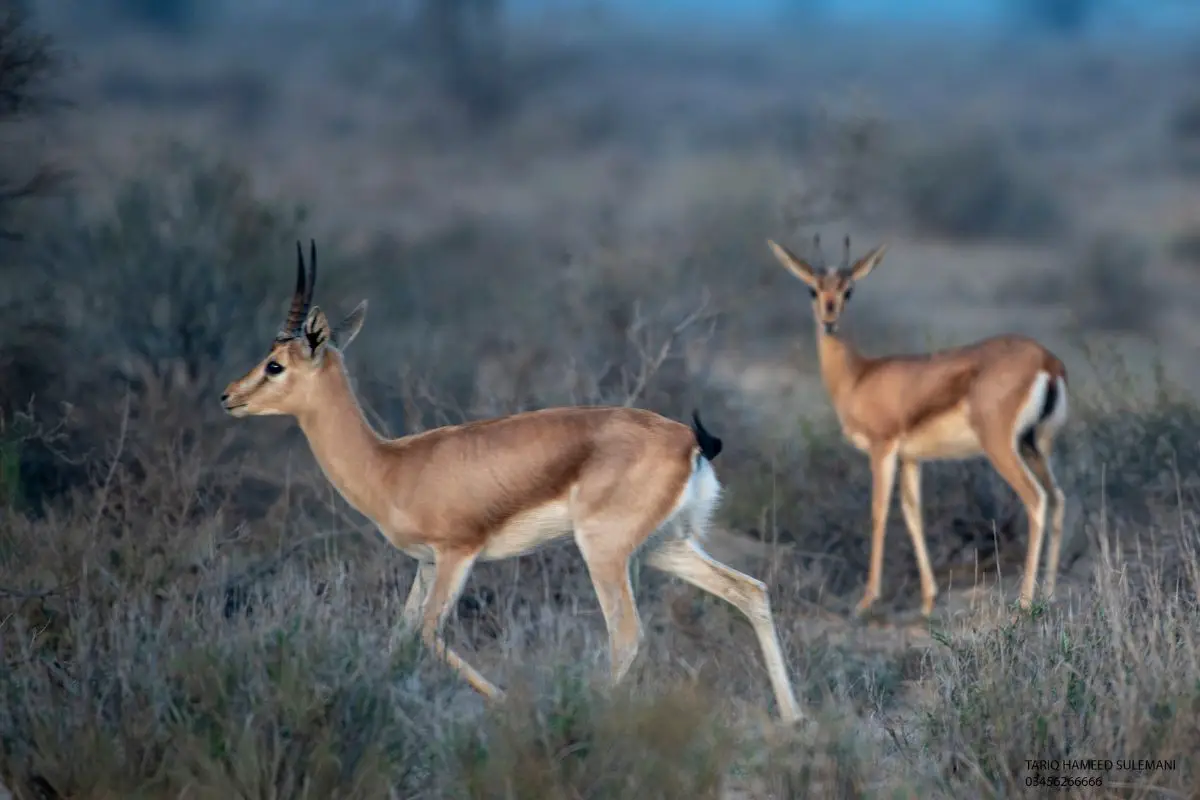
(349, 451)
(840, 362)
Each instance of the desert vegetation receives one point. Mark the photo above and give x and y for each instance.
(188, 610)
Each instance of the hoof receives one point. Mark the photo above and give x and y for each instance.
(864, 613)
(864, 608)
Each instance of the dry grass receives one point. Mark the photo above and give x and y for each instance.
(155, 644)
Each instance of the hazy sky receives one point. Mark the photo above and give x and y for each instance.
(1117, 14)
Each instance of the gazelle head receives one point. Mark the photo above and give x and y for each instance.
(830, 287)
(282, 382)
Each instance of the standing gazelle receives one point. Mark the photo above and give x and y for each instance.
(1004, 397)
(494, 489)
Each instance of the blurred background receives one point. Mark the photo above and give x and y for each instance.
(535, 196)
(567, 201)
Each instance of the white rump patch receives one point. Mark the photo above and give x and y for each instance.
(1058, 417)
(1028, 416)
(697, 501)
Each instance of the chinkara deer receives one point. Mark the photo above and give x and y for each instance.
(622, 481)
(1004, 397)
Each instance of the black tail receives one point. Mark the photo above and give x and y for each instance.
(710, 446)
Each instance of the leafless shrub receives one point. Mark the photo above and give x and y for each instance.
(972, 187)
(1185, 247)
(1102, 283)
(1107, 288)
(174, 307)
(164, 318)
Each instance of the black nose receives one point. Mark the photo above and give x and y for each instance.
(224, 397)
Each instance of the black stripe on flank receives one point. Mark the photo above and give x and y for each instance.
(1049, 403)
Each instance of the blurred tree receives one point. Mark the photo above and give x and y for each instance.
(28, 62)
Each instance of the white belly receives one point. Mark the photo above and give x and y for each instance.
(527, 531)
(948, 436)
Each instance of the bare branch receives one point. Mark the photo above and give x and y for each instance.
(650, 364)
(27, 60)
(122, 435)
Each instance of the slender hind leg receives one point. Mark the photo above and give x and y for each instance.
(685, 559)
(1037, 458)
(1003, 454)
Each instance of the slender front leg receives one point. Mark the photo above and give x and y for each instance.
(883, 475)
(450, 575)
(910, 505)
(610, 579)
(411, 618)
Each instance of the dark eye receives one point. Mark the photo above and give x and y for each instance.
(849, 292)
(274, 368)
(812, 293)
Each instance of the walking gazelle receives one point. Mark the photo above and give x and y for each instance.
(621, 480)
(1003, 397)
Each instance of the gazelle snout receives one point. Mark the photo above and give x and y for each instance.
(235, 399)
(829, 302)
(231, 405)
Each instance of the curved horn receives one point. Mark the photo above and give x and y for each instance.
(846, 254)
(298, 309)
(312, 276)
(818, 257)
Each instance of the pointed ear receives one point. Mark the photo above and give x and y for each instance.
(348, 328)
(862, 268)
(316, 333)
(793, 263)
